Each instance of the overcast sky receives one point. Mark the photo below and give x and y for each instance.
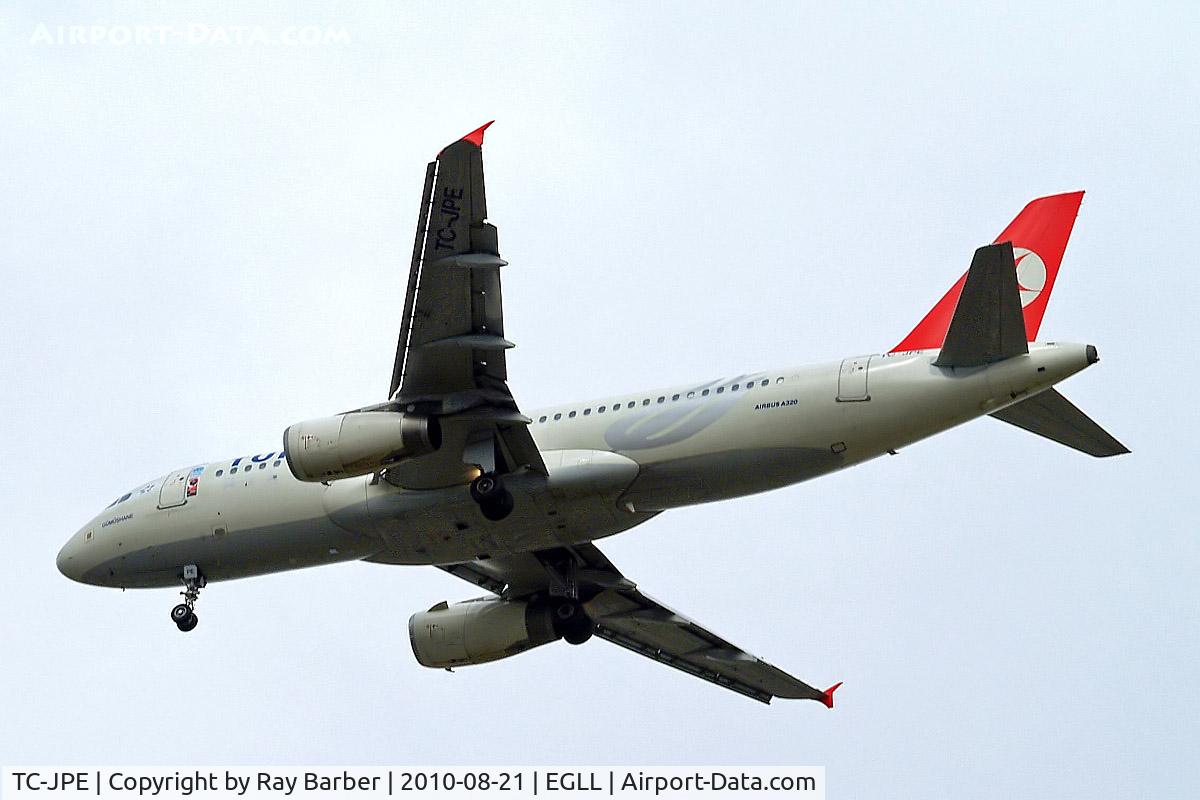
(202, 243)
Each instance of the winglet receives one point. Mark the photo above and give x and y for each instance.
(827, 695)
(475, 137)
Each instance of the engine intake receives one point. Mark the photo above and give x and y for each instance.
(357, 443)
(479, 631)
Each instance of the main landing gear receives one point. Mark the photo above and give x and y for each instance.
(184, 615)
(572, 622)
(494, 500)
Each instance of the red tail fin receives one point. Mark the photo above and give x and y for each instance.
(827, 695)
(1039, 236)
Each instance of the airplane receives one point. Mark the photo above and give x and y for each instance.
(449, 472)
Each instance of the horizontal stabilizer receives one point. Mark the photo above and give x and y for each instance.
(1051, 415)
(987, 325)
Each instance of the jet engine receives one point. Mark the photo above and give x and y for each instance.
(357, 443)
(488, 629)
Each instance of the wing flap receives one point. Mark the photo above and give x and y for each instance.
(414, 275)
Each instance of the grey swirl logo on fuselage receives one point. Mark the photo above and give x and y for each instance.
(659, 427)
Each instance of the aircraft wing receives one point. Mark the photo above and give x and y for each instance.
(625, 616)
(450, 355)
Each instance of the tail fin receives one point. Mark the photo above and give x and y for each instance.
(1039, 237)
(987, 324)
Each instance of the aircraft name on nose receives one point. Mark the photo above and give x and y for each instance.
(115, 520)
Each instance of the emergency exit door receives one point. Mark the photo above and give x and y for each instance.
(852, 380)
(174, 489)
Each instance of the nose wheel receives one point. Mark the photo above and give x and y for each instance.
(494, 500)
(184, 618)
(184, 614)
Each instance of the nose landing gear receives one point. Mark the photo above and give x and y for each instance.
(184, 615)
(494, 500)
(184, 618)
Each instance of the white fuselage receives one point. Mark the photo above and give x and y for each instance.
(613, 463)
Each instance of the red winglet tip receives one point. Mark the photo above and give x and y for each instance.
(827, 695)
(475, 137)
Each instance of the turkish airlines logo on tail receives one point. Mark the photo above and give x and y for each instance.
(1031, 274)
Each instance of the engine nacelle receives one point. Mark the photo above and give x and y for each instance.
(478, 631)
(357, 443)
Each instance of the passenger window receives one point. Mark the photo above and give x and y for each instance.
(262, 466)
(661, 399)
(735, 387)
(221, 472)
(600, 410)
(541, 419)
(587, 412)
(571, 415)
(691, 395)
(557, 417)
(276, 464)
(631, 404)
(674, 397)
(233, 470)
(720, 389)
(764, 382)
(779, 380)
(705, 393)
(646, 402)
(750, 385)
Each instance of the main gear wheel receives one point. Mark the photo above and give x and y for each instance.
(494, 500)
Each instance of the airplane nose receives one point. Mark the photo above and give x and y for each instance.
(68, 561)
